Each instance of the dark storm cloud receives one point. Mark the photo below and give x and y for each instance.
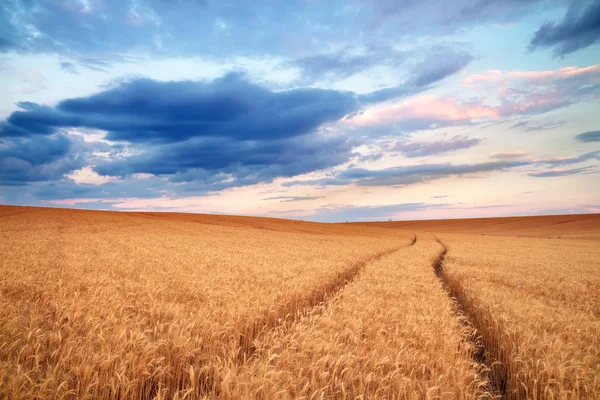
(591, 136)
(422, 149)
(34, 119)
(46, 158)
(144, 110)
(223, 133)
(208, 135)
(579, 28)
(253, 161)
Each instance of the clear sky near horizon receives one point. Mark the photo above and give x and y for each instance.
(321, 110)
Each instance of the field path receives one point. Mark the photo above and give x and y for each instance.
(299, 306)
(534, 304)
(492, 367)
(282, 319)
(388, 333)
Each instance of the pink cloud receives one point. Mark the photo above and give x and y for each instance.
(552, 159)
(495, 76)
(424, 108)
(514, 93)
(529, 92)
(593, 71)
(492, 76)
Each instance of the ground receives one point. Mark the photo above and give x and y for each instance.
(162, 305)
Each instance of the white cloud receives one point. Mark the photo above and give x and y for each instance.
(88, 176)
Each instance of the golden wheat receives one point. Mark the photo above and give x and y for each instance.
(537, 304)
(98, 304)
(160, 306)
(390, 334)
(574, 226)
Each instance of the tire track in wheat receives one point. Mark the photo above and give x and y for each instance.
(491, 367)
(285, 315)
(302, 305)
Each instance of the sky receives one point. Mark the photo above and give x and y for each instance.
(316, 110)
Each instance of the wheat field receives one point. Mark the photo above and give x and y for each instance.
(184, 306)
(537, 304)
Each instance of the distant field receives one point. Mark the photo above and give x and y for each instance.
(158, 305)
(585, 226)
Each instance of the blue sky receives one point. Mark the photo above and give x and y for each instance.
(326, 111)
